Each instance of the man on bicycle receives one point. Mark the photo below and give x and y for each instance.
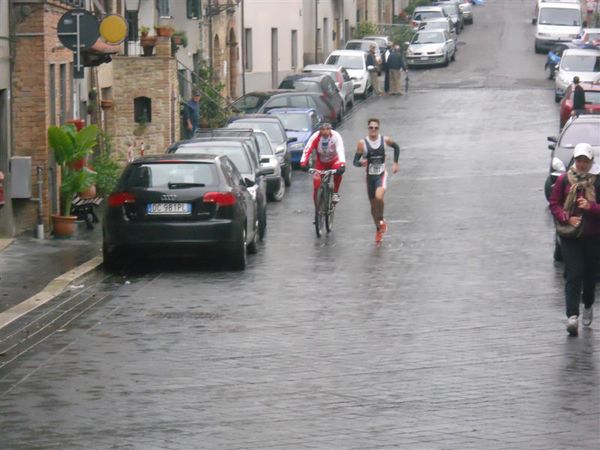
(371, 150)
(330, 155)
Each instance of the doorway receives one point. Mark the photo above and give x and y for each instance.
(274, 59)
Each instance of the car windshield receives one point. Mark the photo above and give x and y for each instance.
(593, 36)
(347, 61)
(301, 85)
(235, 153)
(592, 97)
(295, 122)
(428, 37)
(580, 63)
(581, 132)
(151, 175)
(249, 103)
(272, 129)
(560, 16)
(436, 25)
(363, 45)
(424, 15)
(450, 10)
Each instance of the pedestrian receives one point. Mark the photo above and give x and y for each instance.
(329, 148)
(574, 205)
(372, 64)
(578, 98)
(395, 64)
(386, 69)
(191, 114)
(370, 153)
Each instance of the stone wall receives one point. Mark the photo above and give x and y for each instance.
(154, 77)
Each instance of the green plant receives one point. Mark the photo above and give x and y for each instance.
(144, 30)
(214, 111)
(71, 147)
(415, 4)
(107, 169)
(364, 29)
(401, 34)
(180, 36)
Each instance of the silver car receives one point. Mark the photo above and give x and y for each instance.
(340, 76)
(430, 47)
(467, 9)
(583, 63)
(440, 24)
(268, 160)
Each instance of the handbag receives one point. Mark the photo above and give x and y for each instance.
(569, 231)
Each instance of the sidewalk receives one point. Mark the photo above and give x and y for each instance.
(27, 264)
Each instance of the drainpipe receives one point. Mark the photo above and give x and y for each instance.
(40, 203)
(210, 36)
(316, 30)
(243, 53)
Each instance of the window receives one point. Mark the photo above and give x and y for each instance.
(164, 8)
(193, 9)
(142, 110)
(294, 49)
(248, 49)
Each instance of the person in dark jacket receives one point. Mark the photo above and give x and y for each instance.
(578, 97)
(395, 64)
(574, 201)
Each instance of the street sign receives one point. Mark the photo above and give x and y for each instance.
(113, 29)
(77, 31)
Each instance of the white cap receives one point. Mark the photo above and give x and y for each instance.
(583, 149)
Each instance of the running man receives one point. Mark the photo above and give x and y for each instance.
(329, 146)
(370, 152)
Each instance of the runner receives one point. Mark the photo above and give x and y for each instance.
(330, 155)
(370, 152)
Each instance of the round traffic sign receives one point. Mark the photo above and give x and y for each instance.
(78, 29)
(113, 29)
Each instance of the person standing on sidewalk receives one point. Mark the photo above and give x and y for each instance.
(578, 97)
(370, 153)
(395, 64)
(191, 115)
(574, 201)
(386, 69)
(372, 68)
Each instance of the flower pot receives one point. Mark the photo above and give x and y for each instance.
(148, 50)
(63, 226)
(106, 104)
(164, 31)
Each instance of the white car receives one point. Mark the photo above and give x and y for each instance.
(355, 63)
(583, 63)
(467, 9)
(556, 22)
(430, 47)
(440, 24)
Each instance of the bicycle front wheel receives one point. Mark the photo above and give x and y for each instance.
(320, 214)
(330, 208)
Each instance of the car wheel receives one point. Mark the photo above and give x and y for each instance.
(537, 49)
(253, 245)
(277, 196)
(239, 255)
(287, 176)
(262, 226)
(556, 98)
(454, 56)
(446, 61)
(548, 188)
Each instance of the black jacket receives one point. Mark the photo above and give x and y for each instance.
(396, 61)
(578, 97)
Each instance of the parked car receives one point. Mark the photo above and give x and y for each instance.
(585, 128)
(430, 47)
(180, 203)
(303, 100)
(320, 83)
(424, 13)
(467, 9)
(440, 24)
(355, 62)
(253, 101)
(592, 101)
(365, 45)
(241, 155)
(341, 78)
(556, 22)
(454, 12)
(589, 36)
(270, 161)
(554, 56)
(276, 132)
(382, 42)
(298, 123)
(584, 63)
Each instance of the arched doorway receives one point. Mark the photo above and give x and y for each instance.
(233, 61)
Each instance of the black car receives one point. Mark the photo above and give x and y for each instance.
(243, 157)
(251, 102)
(180, 203)
(277, 134)
(294, 99)
(320, 83)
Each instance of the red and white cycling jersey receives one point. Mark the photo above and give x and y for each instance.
(328, 150)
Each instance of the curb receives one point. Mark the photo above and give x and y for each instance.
(52, 290)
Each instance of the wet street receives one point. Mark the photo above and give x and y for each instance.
(449, 336)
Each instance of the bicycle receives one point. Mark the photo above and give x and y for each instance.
(324, 205)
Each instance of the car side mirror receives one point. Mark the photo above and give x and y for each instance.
(266, 171)
(552, 146)
(552, 139)
(406, 43)
(292, 139)
(248, 182)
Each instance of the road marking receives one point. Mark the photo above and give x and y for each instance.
(53, 289)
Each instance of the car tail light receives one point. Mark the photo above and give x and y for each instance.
(220, 198)
(118, 199)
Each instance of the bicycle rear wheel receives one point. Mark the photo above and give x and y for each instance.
(330, 209)
(320, 214)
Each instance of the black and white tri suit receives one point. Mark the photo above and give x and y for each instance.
(375, 156)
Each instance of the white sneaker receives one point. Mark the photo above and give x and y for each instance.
(335, 198)
(572, 325)
(588, 316)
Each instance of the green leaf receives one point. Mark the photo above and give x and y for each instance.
(61, 144)
(85, 140)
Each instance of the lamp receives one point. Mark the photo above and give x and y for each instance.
(131, 15)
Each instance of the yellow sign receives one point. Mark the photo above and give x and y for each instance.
(113, 29)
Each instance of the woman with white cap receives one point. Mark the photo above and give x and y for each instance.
(574, 205)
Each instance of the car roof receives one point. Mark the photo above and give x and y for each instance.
(173, 157)
(554, 4)
(292, 110)
(324, 67)
(361, 40)
(592, 87)
(258, 117)
(581, 52)
(428, 8)
(307, 76)
(347, 52)
(225, 141)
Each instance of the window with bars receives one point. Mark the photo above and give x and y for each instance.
(164, 8)
(193, 9)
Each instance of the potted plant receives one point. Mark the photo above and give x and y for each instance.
(70, 146)
(180, 38)
(164, 30)
(147, 42)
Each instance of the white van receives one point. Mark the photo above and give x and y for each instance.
(557, 21)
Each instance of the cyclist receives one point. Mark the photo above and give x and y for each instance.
(329, 146)
(370, 152)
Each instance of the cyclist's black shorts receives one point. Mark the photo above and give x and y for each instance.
(374, 182)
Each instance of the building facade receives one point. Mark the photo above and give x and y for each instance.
(6, 222)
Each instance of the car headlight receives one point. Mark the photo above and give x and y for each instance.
(558, 165)
(409, 51)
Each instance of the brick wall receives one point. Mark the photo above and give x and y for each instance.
(154, 77)
(31, 117)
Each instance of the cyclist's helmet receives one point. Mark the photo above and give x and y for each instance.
(325, 126)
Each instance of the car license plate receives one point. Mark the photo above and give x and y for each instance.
(424, 58)
(178, 209)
